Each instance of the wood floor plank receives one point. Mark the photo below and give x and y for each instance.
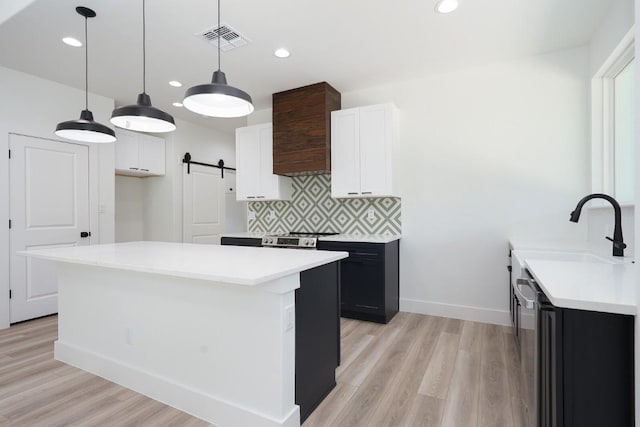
(363, 404)
(453, 326)
(363, 365)
(471, 337)
(28, 385)
(329, 409)
(350, 352)
(435, 382)
(495, 399)
(461, 409)
(347, 326)
(395, 404)
(425, 411)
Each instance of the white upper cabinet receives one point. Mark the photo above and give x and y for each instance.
(139, 154)
(255, 180)
(362, 152)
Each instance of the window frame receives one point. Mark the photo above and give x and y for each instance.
(602, 118)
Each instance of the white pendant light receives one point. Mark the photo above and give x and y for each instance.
(218, 99)
(143, 117)
(85, 129)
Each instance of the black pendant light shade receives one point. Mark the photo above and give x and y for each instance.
(85, 129)
(218, 99)
(143, 117)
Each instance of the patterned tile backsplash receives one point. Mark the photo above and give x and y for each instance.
(313, 210)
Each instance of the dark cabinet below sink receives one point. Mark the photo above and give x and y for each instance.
(585, 367)
(369, 279)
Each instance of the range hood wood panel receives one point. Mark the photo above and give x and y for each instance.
(302, 129)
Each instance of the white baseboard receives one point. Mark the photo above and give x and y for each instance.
(476, 314)
(179, 396)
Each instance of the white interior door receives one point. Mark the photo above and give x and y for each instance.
(49, 205)
(203, 207)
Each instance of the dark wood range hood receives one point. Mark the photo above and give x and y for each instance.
(302, 129)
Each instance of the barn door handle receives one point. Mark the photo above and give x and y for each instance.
(85, 234)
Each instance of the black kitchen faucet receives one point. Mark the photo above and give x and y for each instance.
(618, 243)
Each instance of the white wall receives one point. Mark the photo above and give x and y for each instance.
(159, 207)
(614, 26)
(9, 8)
(600, 225)
(130, 194)
(33, 106)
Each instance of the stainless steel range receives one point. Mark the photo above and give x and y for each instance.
(294, 240)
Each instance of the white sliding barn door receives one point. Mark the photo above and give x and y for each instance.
(49, 206)
(203, 210)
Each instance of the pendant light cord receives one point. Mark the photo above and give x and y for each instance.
(86, 66)
(219, 35)
(144, 50)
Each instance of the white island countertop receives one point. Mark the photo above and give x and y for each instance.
(593, 286)
(229, 264)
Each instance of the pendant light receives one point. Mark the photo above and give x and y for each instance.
(85, 129)
(142, 116)
(218, 99)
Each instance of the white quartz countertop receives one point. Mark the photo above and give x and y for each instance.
(590, 286)
(229, 264)
(363, 238)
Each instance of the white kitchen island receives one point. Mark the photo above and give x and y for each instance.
(207, 329)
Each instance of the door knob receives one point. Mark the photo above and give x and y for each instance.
(85, 234)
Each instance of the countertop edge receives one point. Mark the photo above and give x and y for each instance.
(335, 256)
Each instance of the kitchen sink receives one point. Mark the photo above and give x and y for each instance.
(520, 258)
(568, 256)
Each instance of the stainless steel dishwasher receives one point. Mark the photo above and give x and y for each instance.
(527, 293)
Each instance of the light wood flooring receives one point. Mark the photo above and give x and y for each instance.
(416, 371)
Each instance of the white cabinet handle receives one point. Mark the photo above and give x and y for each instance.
(352, 193)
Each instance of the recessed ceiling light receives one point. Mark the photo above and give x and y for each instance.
(282, 53)
(177, 104)
(175, 83)
(71, 41)
(446, 6)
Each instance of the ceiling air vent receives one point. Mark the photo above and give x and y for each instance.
(228, 37)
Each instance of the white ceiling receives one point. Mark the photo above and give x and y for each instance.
(352, 44)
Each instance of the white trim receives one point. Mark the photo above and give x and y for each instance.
(475, 314)
(182, 397)
(602, 172)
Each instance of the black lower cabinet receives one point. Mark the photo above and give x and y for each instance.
(586, 371)
(317, 331)
(369, 279)
(317, 335)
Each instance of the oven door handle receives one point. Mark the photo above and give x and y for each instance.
(524, 301)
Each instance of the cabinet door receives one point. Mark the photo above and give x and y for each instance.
(267, 182)
(376, 133)
(152, 154)
(345, 153)
(247, 163)
(363, 284)
(127, 154)
(550, 392)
